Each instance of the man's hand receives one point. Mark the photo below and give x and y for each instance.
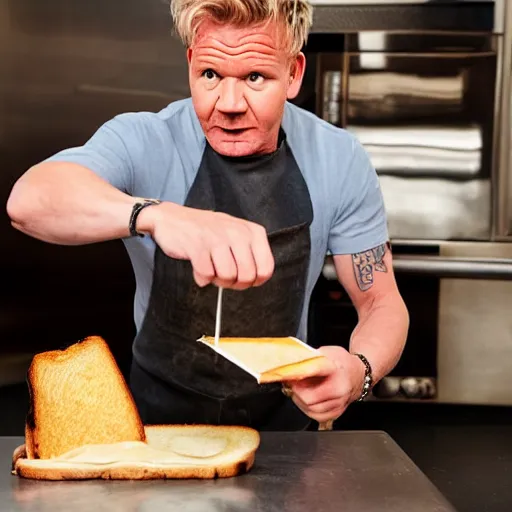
(224, 250)
(326, 397)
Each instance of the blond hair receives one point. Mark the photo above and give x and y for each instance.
(295, 17)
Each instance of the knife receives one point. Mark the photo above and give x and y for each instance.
(218, 316)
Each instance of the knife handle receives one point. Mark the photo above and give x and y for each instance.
(325, 425)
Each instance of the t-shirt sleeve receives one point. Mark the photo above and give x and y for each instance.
(360, 221)
(108, 153)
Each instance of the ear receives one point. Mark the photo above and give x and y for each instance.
(189, 55)
(297, 69)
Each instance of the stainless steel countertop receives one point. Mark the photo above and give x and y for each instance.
(358, 471)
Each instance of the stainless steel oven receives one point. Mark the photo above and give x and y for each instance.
(431, 103)
(423, 106)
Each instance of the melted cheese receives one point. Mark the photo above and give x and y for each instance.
(182, 450)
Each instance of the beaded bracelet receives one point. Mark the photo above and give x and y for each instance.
(368, 377)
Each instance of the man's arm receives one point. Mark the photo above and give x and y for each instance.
(381, 331)
(359, 223)
(68, 204)
(83, 195)
(380, 335)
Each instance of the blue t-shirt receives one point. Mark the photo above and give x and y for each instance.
(157, 155)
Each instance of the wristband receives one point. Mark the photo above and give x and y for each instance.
(137, 208)
(368, 377)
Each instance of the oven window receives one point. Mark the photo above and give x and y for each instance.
(424, 110)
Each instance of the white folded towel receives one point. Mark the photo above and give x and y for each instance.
(437, 209)
(412, 160)
(377, 86)
(459, 138)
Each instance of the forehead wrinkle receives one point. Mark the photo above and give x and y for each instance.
(235, 42)
(263, 39)
(218, 55)
(235, 36)
(219, 46)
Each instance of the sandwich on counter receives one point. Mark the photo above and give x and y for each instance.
(83, 424)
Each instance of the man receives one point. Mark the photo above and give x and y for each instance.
(238, 188)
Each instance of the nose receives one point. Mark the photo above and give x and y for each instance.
(231, 98)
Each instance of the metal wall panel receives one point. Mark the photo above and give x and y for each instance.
(475, 332)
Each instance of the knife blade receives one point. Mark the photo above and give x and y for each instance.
(218, 316)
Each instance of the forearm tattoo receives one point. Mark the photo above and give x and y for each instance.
(365, 263)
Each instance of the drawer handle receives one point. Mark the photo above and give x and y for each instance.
(439, 266)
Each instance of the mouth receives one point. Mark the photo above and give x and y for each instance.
(233, 131)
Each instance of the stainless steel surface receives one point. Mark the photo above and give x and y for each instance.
(474, 348)
(394, 2)
(294, 472)
(503, 170)
(444, 267)
(388, 2)
(455, 267)
(333, 16)
(499, 15)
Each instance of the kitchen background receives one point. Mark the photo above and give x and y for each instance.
(426, 87)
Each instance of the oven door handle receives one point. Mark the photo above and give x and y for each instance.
(441, 266)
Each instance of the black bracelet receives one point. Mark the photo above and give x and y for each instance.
(368, 377)
(137, 208)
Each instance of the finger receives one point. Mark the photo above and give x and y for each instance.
(202, 280)
(225, 266)
(245, 264)
(314, 390)
(321, 412)
(326, 370)
(311, 392)
(327, 407)
(203, 269)
(262, 254)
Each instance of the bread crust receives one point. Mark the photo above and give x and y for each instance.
(248, 443)
(314, 367)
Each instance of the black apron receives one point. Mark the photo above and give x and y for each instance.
(175, 379)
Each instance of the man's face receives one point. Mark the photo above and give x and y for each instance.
(240, 79)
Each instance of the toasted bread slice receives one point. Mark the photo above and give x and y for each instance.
(272, 359)
(84, 425)
(78, 396)
(178, 452)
